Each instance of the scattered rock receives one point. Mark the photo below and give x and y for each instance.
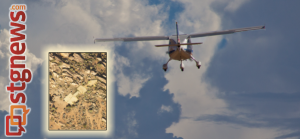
(64, 65)
(54, 75)
(93, 73)
(102, 85)
(74, 84)
(68, 79)
(77, 76)
(92, 82)
(64, 55)
(101, 79)
(77, 58)
(71, 58)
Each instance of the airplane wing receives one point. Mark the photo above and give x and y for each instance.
(145, 38)
(224, 32)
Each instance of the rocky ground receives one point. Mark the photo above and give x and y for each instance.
(77, 91)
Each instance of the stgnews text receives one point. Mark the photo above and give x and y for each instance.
(19, 75)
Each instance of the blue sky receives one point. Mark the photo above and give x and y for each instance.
(247, 87)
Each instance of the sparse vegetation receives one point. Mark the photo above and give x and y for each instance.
(87, 111)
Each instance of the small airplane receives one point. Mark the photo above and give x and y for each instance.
(176, 51)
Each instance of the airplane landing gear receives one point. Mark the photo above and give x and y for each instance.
(198, 63)
(165, 66)
(181, 66)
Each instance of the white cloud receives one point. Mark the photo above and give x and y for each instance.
(4, 96)
(214, 130)
(164, 108)
(32, 61)
(76, 22)
(195, 95)
(233, 5)
(130, 85)
(132, 124)
(191, 91)
(4, 80)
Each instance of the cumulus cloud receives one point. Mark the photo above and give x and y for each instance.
(233, 5)
(4, 101)
(197, 96)
(216, 130)
(130, 85)
(4, 46)
(32, 61)
(132, 124)
(101, 20)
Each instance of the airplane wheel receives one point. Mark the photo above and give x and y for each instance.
(198, 67)
(182, 69)
(165, 69)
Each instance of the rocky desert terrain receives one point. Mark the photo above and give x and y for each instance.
(77, 91)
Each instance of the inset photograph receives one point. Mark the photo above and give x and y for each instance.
(77, 91)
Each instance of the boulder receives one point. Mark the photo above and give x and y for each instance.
(64, 55)
(91, 82)
(77, 58)
(93, 73)
(54, 75)
(74, 84)
(64, 65)
(71, 58)
(87, 72)
(103, 119)
(101, 79)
